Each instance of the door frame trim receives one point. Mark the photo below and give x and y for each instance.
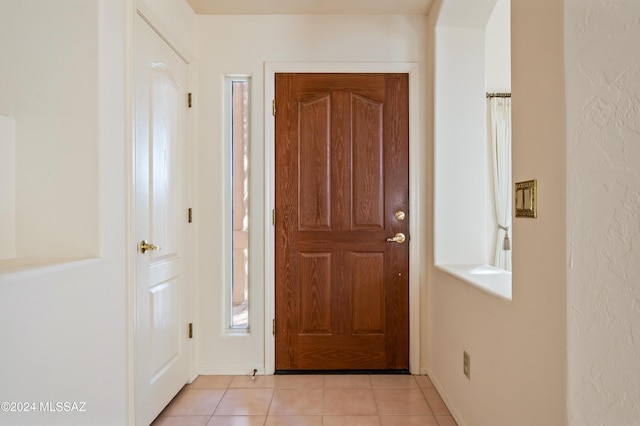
(415, 189)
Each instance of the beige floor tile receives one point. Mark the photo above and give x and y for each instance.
(181, 421)
(247, 382)
(244, 402)
(237, 421)
(299, 381)
(294, 421)
(211, 382)
(296, 402)
(424, 381)
(347, 381)
(194, 402)
(446, 421)
(350, 421)
(301, 400)
(354, 402)
(408, 421)
(407, 401)
(436, 403)
(393, 381)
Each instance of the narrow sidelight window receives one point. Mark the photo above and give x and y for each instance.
(238, 89)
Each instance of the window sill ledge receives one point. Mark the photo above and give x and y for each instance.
(26, 265)
(487, 278)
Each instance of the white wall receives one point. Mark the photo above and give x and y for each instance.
(56, 125)
(603, 143)
(518, 349)
(7, 188)
(176, 20)
(63, 327)
(473, 36)
(242, 45)
(463, 13)
(498, 80)
(498, 48)
(462, 187)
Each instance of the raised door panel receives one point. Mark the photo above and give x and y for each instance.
(314, 146)
(368, 301)
(315, 293)
(164, 265)
(165, 334)
(367, 163)
(164, 156)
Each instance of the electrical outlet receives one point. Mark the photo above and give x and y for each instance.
(466, 365)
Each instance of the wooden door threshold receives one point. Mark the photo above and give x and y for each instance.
(334, 372)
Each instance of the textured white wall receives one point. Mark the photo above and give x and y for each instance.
(603, 130)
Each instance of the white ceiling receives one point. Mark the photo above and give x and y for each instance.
(310, 7)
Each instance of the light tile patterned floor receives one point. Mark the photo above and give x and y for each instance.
(307, 400)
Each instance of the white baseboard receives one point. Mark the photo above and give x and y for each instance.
(445, 397)
(230, 370)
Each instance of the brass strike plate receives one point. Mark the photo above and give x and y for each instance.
(526, 198)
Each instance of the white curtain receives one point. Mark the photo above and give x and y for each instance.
(500, 134)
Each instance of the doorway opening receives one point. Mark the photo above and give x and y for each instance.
(417, 176)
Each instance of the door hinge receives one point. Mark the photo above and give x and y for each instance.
(190, 215)
(189, 98)
(273, 217)
(190, 330)
(273, 327)
(273, 107)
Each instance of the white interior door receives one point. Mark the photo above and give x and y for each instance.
(161, 359)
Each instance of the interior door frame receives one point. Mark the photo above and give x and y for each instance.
(415, 189)
(133, 8)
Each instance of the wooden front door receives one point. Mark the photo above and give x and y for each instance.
(342, 289)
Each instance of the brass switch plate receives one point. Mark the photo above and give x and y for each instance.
(527, 198)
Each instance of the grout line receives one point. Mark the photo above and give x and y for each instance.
(273, 394)
(323, 402)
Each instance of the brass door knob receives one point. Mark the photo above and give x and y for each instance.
(145, 245)
(398, 238)
(400, 215)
